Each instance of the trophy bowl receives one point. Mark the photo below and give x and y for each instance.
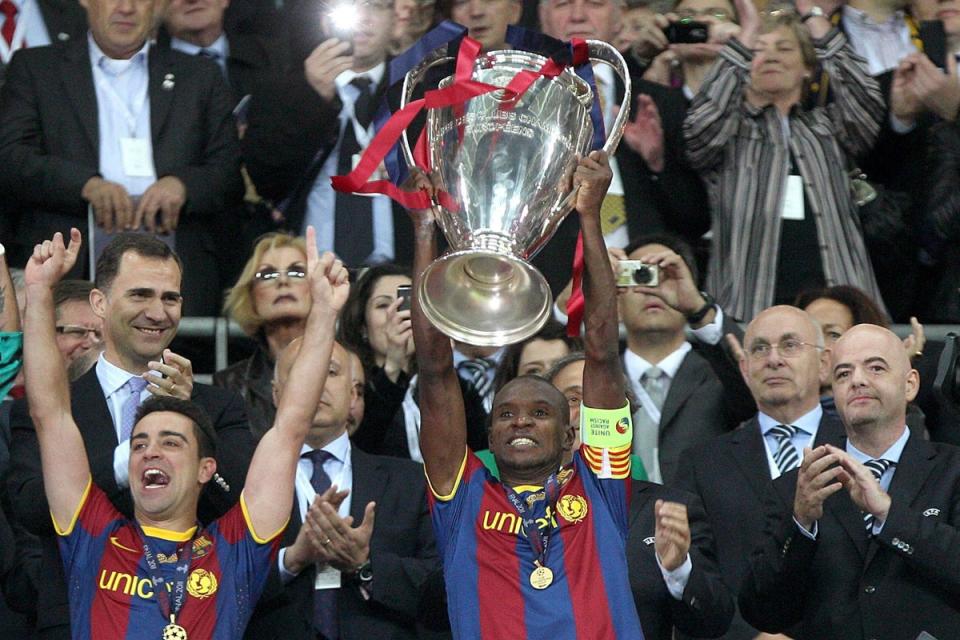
(506, 164)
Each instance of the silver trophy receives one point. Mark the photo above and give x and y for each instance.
(507, 173)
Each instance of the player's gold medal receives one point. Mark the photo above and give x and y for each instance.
(541, 577)
(174, 631)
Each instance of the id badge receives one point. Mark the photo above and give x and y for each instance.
(793, 199)
(327, 578)
(137, 162)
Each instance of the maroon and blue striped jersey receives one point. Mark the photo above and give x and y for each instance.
(488, 559)
(109, 587)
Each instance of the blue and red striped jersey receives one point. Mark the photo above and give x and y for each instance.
(488, 559)
(109, 587)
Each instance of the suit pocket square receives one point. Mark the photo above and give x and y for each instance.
(931, 512)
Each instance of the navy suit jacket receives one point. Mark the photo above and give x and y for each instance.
(844, 585)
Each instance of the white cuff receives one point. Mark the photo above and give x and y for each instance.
(711, 333)
(677, 579)
(812, 534)
(285, 576)
(121, 464)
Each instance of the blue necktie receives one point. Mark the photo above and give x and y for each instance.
(325, 609)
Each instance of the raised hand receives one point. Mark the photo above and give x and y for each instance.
(672, 533)
(51, 260)
(860, 483)
(593, 176)
(913, 344)
(677, 288)
(177, 376)
(324, 64)
(819, 478)
(905, 103)
(329, 279)
(399, 341)
(645, 134)
(349, 546)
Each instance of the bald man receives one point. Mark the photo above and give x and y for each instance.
(782, 364)
(862, 540)
(359, 545)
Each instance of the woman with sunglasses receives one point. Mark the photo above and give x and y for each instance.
(270, 302)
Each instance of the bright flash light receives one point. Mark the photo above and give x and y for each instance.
(344, 16)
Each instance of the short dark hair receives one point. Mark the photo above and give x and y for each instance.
(862, 307)
(71, 291)
(202, 427)
(147, 246)
(558, 398)
(672, 242)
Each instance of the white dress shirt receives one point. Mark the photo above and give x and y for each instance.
(31, 30)
(807, 426)
(220, 50)
(882, 45)
(322, 198)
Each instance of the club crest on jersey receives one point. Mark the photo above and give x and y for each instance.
(201, 583)
(572, 508)
(201, 546)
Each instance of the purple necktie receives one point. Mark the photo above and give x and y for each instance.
(128, 413)
(325, 610)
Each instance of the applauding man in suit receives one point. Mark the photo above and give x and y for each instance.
(862, 540)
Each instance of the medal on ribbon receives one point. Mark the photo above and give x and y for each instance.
(541, 576)
(169, 606)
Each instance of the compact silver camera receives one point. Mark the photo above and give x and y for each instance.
(634, 273)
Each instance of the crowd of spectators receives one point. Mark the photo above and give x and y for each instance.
(804, 158)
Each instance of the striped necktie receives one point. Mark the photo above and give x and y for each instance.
(877, 468)
(786, 456)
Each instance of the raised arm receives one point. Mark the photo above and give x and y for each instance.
(268, 492)
(602, 372)
(66, 471)
(443, 422)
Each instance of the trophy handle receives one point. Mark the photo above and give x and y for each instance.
(602, 52)
(410, 82)
(605, 53)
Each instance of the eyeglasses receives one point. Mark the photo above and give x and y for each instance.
(789, 348)
(269, 275)
(77, 332)
(686, 15)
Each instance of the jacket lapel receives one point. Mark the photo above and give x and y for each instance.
(916, 464)
(162, 87)
(688, 379)
(90, 407)
(369, 483)
(749, 452)
(77, 84)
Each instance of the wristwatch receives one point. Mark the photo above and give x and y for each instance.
(815, 12)
(2, 250)
(364, 574)
(701, 313)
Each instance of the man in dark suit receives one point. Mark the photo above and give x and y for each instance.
(868, 524)
(334, 580)
(668, 525)
(687, 394)
(308, 128)
(783, 364)
(103, 119)
(138, 298)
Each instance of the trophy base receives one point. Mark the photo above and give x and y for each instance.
(485, 298)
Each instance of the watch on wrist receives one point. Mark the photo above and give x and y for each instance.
(701, 313)
(364, 573)
(815, 12)
(2, 250)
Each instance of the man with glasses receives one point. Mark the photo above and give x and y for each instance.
(868, 523)
(79, 329)
(317, 125)
(137, 298)
(783, 360)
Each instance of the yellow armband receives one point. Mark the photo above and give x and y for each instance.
(606, 428)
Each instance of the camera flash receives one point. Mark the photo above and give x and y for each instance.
(343, 16)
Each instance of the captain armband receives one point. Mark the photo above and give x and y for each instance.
(606, 428)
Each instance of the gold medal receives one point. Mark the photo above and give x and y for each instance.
(174, 632)
(541, 577)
